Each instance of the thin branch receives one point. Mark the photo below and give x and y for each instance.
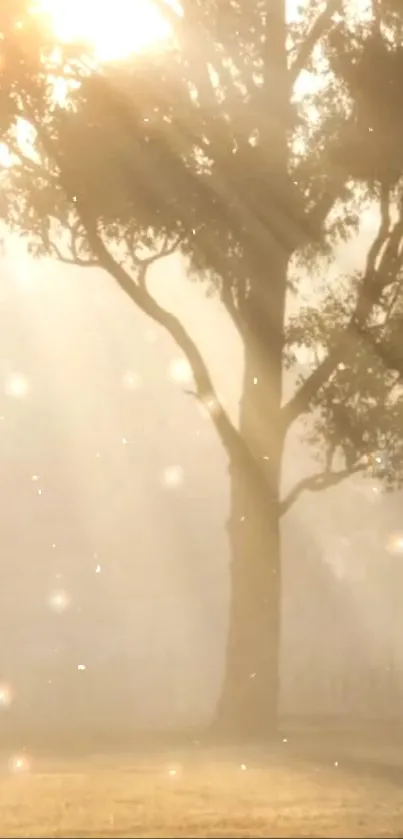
(141, 277)
(391, 358)
(317, 32)
(391, 305)
(316, 483)
(72, 260)
(142, 264)
(167, 249)
(227, 298)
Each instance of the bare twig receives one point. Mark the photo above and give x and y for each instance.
(317, 482)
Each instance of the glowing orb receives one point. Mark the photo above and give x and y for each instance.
(16, 385)
(180, 371)
(395, 543)
(59, 601)
(175, 770)
(20, 764)
(173, 477)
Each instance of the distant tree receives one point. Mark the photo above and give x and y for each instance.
(213, 148)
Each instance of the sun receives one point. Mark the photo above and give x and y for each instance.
(115, 29)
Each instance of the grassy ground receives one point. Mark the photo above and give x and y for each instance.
(325, 787)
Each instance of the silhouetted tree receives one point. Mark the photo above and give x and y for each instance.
(208, 147)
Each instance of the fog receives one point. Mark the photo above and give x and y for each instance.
(114, 563)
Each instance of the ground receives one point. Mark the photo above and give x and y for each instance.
(341, 784)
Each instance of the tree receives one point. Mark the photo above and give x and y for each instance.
(206, 149)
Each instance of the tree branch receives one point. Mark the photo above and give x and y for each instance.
(318, 29)
(73, 247)
(317, 482)
(167, 249)
(315, 218)
(233, 443)
(139, 295)
(230, 437)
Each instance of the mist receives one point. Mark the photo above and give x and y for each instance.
(114, 571)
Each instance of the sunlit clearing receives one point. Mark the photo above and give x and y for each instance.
(113, 30)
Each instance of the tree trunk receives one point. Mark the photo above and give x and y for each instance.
(248, 703)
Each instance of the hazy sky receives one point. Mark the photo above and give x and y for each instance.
(115, 497)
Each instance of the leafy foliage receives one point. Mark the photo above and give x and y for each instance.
(208, 146)
(358, 412)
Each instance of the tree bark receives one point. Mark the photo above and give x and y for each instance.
(249, 699)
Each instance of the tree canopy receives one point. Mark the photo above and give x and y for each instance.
(180, 149)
